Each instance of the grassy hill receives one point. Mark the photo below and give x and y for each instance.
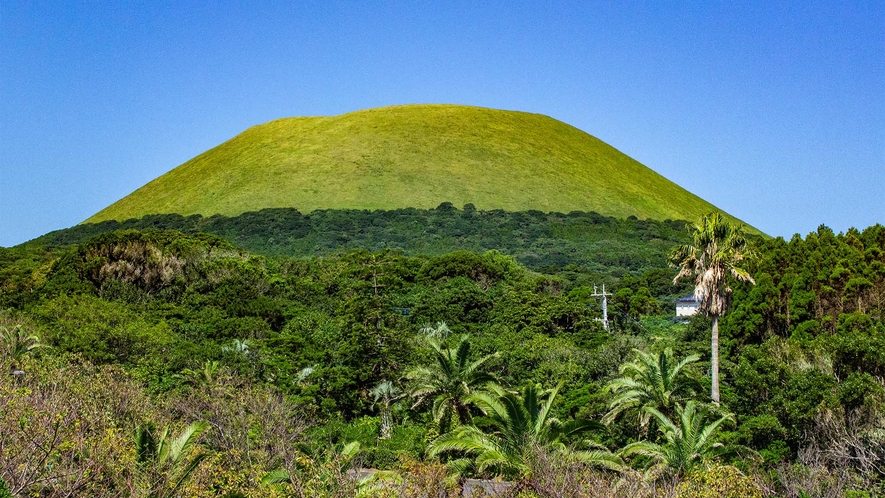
(412, 156)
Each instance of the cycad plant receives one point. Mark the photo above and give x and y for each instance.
(449, 381)
(238, 346)
(205, 376)
(688, 440)
(519, 424)
(164, 462)
(319, 473)
(653, 380)
(439, 331)
(16, 344)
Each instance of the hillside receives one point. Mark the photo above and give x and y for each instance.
(412, 156)
(547, 242)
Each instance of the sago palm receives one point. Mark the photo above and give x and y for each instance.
(653, 380)
(439, 331)
(16, 344)
(688, 440)
(449, 381)
(519, 424)
(164, 462)
(321, 472)
(717, 248)
(205, 376)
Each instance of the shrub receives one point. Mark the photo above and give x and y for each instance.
(60, 430)
(719, 481)
(4, 490)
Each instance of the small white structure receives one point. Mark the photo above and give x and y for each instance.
(687, 306)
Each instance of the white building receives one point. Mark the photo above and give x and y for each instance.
(687, 306)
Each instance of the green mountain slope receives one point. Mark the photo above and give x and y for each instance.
(412, 156)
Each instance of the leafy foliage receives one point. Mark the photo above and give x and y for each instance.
(548, 242)
(281, 357)
(652, 381)
(450, 381)
(518, 423)
(166, 462)
(688, 440)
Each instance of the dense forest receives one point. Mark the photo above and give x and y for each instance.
(273, 353)
(544, 242)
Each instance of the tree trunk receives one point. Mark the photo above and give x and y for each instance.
(714, 362)
(386, 422)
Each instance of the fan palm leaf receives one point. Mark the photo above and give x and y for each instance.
(717, 248)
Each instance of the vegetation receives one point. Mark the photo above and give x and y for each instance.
(688, 440)
(652, 382)
(542, 241)
(718, 247)
(164, 462)
(450, 381)
(320, 474)
(519, 424)
(18, 345)
(288, 361)
(412, 156)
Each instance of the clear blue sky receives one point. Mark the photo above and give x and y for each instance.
(773, 111)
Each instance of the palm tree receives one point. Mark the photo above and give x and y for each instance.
(386, 394)
(205, 376)
(687, 444)
(17, 344)
(449, 381)
(717, 248)
(238, 346)
(520, 424)
(439, 331)
(323, 472)
(303, 374)
(651, 381)
(165, 462)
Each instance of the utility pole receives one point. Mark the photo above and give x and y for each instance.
(604, 305)
(376, 287)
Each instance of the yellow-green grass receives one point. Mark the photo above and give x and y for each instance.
(412, 156)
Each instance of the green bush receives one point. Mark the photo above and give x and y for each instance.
(719, 481)
(4, 489)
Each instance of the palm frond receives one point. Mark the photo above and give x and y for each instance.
(188, 437)
(579, 426)
(145, 443)
(350, 450)
(278, 476)
(180, 476)
(600, 458)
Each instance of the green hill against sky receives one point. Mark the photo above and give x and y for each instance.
(412, 156)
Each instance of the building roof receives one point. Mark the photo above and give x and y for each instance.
(688, 300)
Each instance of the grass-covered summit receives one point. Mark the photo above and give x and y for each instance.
(412, 156)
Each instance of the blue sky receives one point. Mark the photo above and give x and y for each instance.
(773, 111)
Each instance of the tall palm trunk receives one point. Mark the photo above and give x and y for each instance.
(714, 362)
(717, 248)
(386, 421)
